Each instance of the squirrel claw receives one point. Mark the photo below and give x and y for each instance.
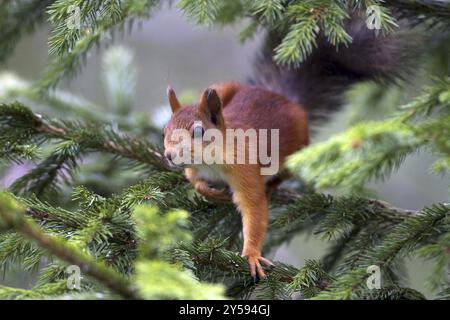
(267, 262)
(256, 268)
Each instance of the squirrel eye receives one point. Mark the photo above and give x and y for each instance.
(198, 132)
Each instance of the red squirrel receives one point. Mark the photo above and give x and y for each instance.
(232, 105)
(288, 99)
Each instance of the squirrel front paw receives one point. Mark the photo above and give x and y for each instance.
(254, 262)
(213, 194)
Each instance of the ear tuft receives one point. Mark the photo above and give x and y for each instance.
(211, 105)
(173, 100)
(213, 101)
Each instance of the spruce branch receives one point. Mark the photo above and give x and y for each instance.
(97, 19)
(44, 177)
(210, 261)
(13, 216)
(310, 280)
(373, 150)
(18, 122)
(299, 22)
(365, 151)
(105, 139)
(211, 255)
(200, 11)
(69, 45)
(393, 293)
(269, 11)
(330, 216)
(117, 86)
(37, 292)
(404, 237)
(15, 249)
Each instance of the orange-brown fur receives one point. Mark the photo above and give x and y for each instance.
(244, 107)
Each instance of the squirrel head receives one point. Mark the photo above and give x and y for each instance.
(188, 125)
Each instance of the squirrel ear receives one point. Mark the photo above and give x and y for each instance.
(173, 100)
(211, 105)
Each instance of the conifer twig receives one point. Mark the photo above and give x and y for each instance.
(285, 196)
(13, 216)
(18, 119)
(108, 146)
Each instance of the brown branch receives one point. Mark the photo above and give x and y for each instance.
(13, 216)
(109, 146)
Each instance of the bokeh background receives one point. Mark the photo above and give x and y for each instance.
(167, 49)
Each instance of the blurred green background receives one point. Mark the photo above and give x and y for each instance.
(167, 49)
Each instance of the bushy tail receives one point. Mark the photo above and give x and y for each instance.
(320, 82)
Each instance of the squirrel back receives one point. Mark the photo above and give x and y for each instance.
(257, 108)
(320, 82)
